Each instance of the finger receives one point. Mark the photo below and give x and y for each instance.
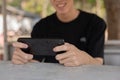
(69, 64)
(19, 45)
(67, 60)
(63, 55)
(17, 62)
(64, 47)
(14, 61)
(72, 63)
(17, 58)
(23, 55)
(29, 57)
(20, 53)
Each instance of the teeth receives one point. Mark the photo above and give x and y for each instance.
(61, 5)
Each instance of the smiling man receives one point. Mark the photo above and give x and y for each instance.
(83, 33)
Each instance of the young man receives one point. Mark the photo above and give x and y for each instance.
(83, 33)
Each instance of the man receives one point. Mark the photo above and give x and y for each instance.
(83, 33)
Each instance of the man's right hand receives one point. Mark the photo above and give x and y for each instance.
(19, 57)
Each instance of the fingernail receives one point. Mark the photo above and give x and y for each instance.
(54, 49)
(57, 57)
(26, 46)
(30, 56)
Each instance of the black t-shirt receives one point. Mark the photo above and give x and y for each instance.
(86, 32)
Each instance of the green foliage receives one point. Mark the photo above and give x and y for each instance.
(50, 9)
(33, 6)
(92, 1)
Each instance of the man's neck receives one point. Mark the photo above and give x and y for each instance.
(68, 16)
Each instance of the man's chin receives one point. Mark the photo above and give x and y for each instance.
(62, 12)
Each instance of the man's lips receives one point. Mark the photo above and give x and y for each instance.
(61, 5)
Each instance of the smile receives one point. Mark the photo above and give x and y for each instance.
(61, 5)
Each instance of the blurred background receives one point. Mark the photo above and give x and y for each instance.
(17, 18)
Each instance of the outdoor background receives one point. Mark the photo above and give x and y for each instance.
(23, 14)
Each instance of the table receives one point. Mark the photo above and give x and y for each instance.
(52, 71)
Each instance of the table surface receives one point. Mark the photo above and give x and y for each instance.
(51, 71)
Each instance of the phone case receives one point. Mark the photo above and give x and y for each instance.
(43, 47)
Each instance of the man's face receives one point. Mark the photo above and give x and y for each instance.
(62, 6)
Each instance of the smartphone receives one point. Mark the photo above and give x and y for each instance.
(43, 47)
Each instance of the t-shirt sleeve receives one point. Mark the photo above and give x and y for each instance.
(96, 37)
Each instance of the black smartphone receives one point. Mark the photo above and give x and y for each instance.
(43, 47)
